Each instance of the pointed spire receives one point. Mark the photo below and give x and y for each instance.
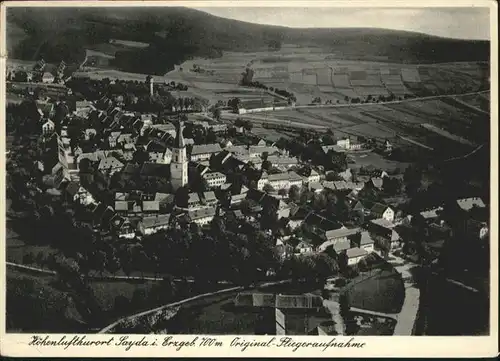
(179, 138)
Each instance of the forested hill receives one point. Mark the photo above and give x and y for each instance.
(175, 34)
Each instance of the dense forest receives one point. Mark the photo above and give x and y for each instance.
(176, 34)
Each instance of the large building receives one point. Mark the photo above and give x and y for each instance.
(179, 163)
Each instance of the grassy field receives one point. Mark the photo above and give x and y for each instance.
(320, 74)
(375, 160)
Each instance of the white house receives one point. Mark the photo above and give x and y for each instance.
(313, 177)
(48, 127)
(201, 152)
(202, 216)
(279, 180)
(150, 225)
(79, 194)
(262, 181)
(303, 248)
(382, 211)
(295, 179)
(214, 179)
(354, 255)
(367, 243)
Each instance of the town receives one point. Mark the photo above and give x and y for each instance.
(123, 182)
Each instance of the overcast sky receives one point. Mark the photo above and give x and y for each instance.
(461, 23)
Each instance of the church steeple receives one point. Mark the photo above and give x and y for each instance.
(179, 138)
(179, 163)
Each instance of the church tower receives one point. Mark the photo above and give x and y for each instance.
(179, 163)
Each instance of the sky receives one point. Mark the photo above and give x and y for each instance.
(459, 23)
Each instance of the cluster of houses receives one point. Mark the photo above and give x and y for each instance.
(174, 158)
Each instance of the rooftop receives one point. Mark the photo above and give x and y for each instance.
(201, 213)
(206, 148)
(340, 233)
(157, 221)
(356, 252)
(468, 203)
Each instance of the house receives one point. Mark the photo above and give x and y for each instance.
(313, 177)
(236, 199)
(150, 225)
(380, 210)
(157, 157)
(122, 227)
(282, 162)
(264, 178)
(79, 194)
(338, 236)
(431, 214)
(214, 179)
(279, 180)
(209, 198)
(283, 210)
(366, 242)
(303, 248)
(258, 150)
(384, 223)
(295, 179)
(193, 201)
(226, 143)
(468, 203)
(202, 216)
(316, 187)
(48, 127)
(204, 151)
(48, 78)
(297, 216)
(346, 175)
(165, 200)
(354, 255)
(110, 165)
(150, 206)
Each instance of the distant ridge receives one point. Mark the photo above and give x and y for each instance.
(186, 33)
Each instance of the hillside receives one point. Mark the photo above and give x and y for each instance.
(176, 34)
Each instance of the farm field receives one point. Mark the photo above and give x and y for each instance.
(376, 160)
(479, 101)
(446, 134)
(316, 74)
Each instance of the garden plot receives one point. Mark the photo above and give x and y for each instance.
(389, 79)
(446, 134)
(476, 100)
(324, 77)
(397, 89)
(346, 92)
(392, 114)
(370, 131)
(341, 81)
(410, 75)
(370, 90)
(329, 116)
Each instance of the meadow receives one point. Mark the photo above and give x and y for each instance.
(310, 73)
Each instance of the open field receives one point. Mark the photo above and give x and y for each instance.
(375, 160)
(446, 134)
(318, 74)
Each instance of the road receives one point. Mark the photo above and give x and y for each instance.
(371, 104)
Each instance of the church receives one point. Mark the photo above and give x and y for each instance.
(179, 162)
